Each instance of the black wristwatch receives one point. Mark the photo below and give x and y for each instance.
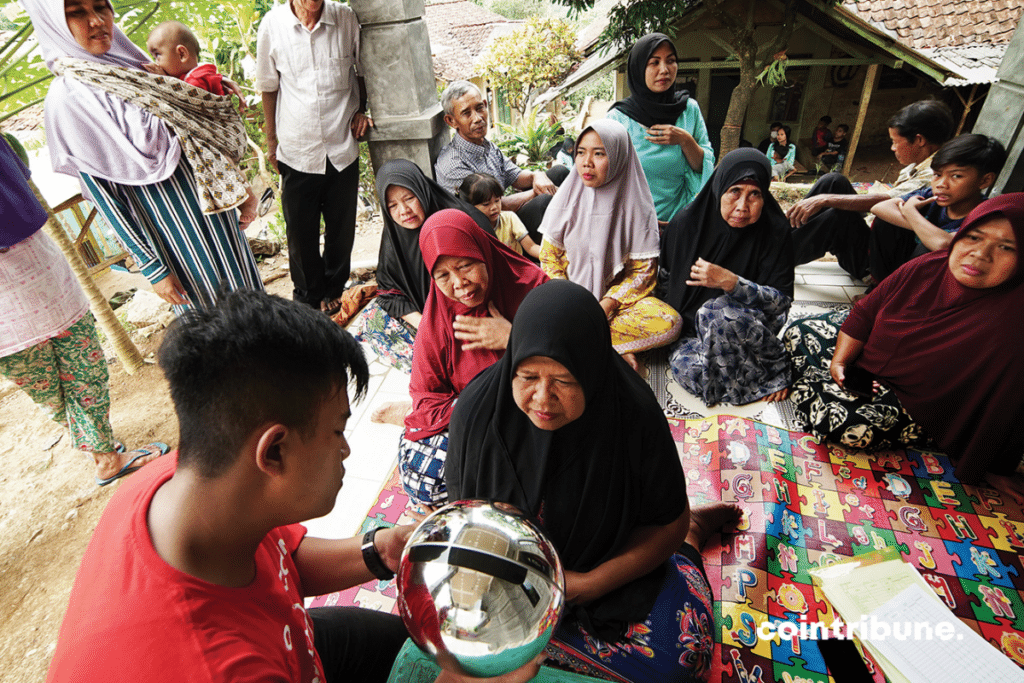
(372, 558)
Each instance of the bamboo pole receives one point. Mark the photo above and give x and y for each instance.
(124, 347)
(870, 81)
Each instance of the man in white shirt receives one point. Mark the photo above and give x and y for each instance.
(831, 216)
(307, 59)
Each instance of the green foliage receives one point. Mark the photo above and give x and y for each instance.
(629, 21)
(774, 73)
(24, 77)
(537, 133)
(601, 88)
(367, 176)
(536, 56)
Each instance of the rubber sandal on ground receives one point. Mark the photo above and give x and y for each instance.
(130, 466)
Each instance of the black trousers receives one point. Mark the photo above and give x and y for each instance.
(532, 212)
(305, 197)
(891, 247)
(843, 233)
(356, 644)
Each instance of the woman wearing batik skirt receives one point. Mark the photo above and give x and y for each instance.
(407, 199)
(155, 155)
(564, 430)
(48, 342)
(940, 342)
(728, 261)
(601, 232)
(477, 284)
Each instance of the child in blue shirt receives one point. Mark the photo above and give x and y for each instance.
(926, 219)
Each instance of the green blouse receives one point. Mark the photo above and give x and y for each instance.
(673, 183)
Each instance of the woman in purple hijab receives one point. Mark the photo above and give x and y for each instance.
(130, 162)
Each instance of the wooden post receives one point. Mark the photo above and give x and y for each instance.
(870, 81)
(124, 348)
(968, 104)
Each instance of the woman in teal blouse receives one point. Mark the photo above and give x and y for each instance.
(665, 125)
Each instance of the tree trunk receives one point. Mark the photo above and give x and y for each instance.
(739, 101)
(124, 347)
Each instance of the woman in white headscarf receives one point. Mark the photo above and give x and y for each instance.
(601, 231)
(122, 132)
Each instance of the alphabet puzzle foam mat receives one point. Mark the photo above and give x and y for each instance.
(806, 505)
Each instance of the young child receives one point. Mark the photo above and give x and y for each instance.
(175, 51)
(835, 151)
(926, 219)
(484, 192)
(782, 153)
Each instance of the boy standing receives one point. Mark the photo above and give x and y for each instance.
(926, 219)
(175, 51)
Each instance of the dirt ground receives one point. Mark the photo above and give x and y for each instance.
(49, 501)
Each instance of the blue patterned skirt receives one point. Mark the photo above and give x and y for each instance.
(674, 643)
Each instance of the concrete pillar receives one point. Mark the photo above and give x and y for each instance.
(1002, 116)
(399, 73)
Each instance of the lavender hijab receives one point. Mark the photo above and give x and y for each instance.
(89, 131)
(602, 228)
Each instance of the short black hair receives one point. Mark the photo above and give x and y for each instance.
(977, 151)
(478, 188)
(775, 124)
(252, 359)
(931, 119)
(827, 119)
(844, 127)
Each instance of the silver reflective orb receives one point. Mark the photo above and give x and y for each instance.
(480, 588)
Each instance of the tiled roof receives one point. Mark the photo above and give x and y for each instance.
(460, 33)
(976, 63)
(939, 24)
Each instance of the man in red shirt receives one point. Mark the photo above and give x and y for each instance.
(199, 562)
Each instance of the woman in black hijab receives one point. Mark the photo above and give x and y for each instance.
(728, 260)
(565, 430)
(665, 125)
(407, 198)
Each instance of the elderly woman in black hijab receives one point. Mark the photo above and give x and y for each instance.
(728, 260)
(407, 197)
(665, 125)
(565, 430)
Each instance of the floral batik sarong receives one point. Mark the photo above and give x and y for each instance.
(674, 643)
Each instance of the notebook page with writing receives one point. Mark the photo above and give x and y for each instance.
(962, 656)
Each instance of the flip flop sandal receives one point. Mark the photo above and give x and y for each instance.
(130, 466)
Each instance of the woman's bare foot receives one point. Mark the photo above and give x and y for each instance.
(709, 520)
(110, 464)
(392, 413)
(779, 395)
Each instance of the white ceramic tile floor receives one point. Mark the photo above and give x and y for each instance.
(375, 447)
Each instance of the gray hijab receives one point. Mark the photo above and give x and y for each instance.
(602, 228)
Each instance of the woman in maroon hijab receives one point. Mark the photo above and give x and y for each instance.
(477, 284)
(937, 346)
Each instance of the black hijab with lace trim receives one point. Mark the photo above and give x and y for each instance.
(590, 484)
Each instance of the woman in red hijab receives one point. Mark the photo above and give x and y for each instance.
(941, 340)
(477, 284)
